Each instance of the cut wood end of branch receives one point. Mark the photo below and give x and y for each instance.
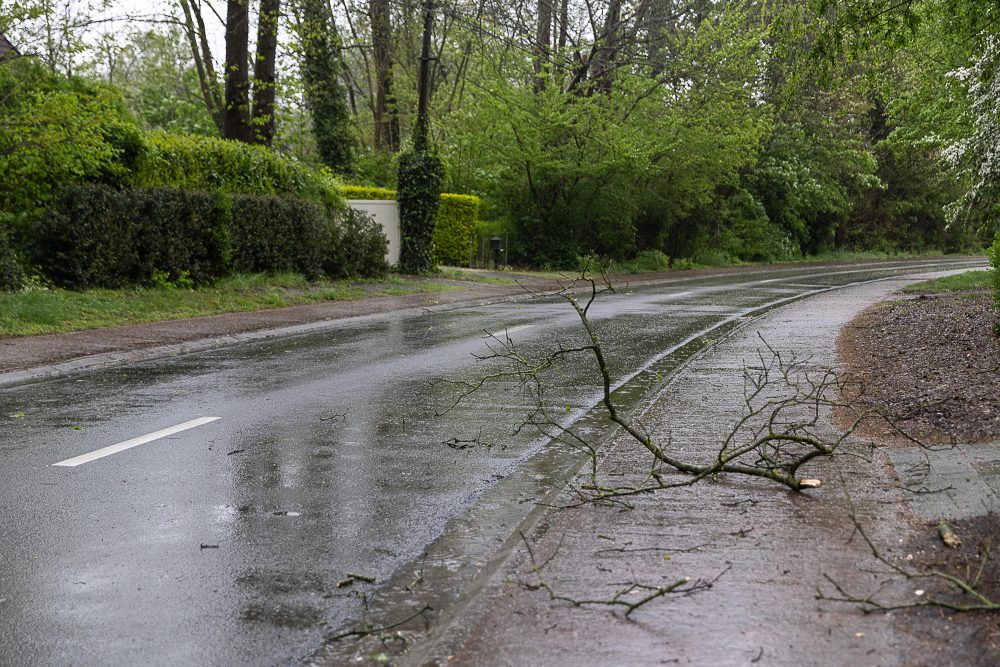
(810, 483)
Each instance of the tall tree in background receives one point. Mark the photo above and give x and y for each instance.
(236, 113)
(420, 173)
(262, 116)
(386, 117)
(325, 96)
(194, 28)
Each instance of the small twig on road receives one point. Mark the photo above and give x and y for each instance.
(368, 630)
(351, 578)
(624, 596)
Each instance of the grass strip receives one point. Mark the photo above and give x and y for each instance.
(50, 310)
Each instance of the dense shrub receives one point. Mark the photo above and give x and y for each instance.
(58, 132)
(275, 234)
(100, 236)
(747, 234)
(366, 192)
(455, 228)
(207, 163)
(362, 247)
(11, 271)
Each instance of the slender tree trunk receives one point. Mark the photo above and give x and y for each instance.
(423, 86)
(604, 68)
(236, 115)
(543, 40)
(563, 24)
(385, 113)
(262, 119)
(203, 62)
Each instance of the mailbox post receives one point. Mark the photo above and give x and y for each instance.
(495, 246)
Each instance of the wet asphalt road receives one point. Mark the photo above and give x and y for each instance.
(224, 543)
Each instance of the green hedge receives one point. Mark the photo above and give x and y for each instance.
(207, 163)
(274, 234)
(99, 236)
(366, 192)
(455, 229)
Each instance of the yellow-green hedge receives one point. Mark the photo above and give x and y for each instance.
(366, 192)
(454, 228)
(219, 165)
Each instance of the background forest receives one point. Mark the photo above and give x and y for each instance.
(704, 131)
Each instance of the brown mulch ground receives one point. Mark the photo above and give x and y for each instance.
(932, 363)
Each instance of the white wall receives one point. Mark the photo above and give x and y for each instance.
(386, 213)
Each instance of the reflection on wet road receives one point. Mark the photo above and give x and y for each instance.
(224, 542)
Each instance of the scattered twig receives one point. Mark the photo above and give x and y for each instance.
(351, 578)
(630, 595)
(958, 594)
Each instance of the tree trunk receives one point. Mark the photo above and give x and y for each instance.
(262, 119)
(604, 67)
(385, 113)
(203, 61)
(423, 85)
(236, 115)
(543, 40)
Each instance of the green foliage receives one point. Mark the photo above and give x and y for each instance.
(11, 270)
(366, 192)
(280, 234)
(158, 79)
(362, 248)
(455, 228)
(57, 132)
(100, 236)
(324, 94)
(747, 233)
(208, 163)
(419, 194)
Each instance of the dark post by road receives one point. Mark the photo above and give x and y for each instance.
(495, 246)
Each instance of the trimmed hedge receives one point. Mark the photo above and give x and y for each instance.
(273, 234)
(208, 163)
(366, 192)
(99, 236)
(455, 229)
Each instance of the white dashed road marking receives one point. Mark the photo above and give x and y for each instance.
(134, 442)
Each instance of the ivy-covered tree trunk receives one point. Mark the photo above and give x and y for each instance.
(418, 194)
(325, 96)
(420, 174)
(263, 73)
